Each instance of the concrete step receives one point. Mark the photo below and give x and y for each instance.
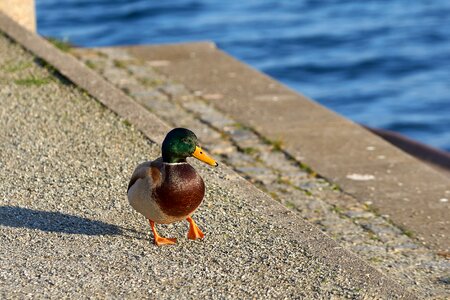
(66, 227)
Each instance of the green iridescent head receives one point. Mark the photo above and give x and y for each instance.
(178, 144)
(181, 143)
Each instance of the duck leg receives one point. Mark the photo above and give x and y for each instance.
(160, 240)
(194, 232)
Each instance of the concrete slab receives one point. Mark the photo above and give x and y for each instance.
(332, 145)
(67, 230)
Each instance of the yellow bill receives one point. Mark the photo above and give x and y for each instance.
(201, 155)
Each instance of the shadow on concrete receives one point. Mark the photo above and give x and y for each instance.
(53, 71)
(14, 216)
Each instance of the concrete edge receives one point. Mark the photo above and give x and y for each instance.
(317, 242)
(436, 158)
(197, 47)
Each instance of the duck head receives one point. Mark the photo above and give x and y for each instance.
(181, 143)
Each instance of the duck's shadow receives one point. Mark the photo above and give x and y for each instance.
(21, 217)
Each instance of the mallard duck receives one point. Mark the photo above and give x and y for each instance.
(169, 189)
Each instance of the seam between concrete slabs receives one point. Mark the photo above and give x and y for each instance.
(332, 253)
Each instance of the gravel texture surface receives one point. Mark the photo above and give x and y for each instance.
(67, 231)
(355, 225)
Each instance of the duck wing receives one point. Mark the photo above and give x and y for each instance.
(148, 168)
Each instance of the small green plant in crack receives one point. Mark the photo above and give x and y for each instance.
(283, 190)
(275, 196)
(262, 187)
(307, 192)
(151, 82)
(101, 54)
(400, 227)
(306, 168)
(126, 123)
(250, 150)
(372, 209)
(62, 45)
(374, 237)
(336, 209)
(12, 67)
(336, 187)
(283, 180)
(97, 103)
(275, 144)
(289, 205)
(91, 64)
(224, 135)
(407, 232)
(33, 81)
(119, 64)
(375, 259)
(240, 126)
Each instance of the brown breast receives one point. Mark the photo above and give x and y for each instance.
(181, 191)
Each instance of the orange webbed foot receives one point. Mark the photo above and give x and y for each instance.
(158, 240)
(194, 232)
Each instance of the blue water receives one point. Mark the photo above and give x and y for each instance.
(385, 64)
